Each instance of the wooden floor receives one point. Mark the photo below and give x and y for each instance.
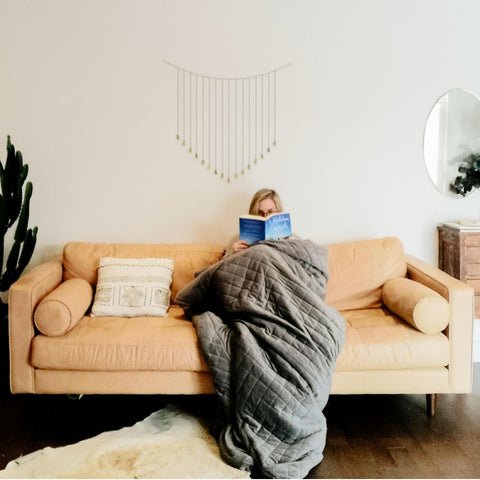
(383, 436)
(369, 436)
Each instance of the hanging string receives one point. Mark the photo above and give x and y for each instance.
(249, 130)
(178, 103)
(268, 113)
(190, 115)
(228, 131)
(217, 125)
(236, 128)
(215, 146)
(203, 120)
(227, 136)
(222, 125)
(209, 125)
(196, 116)
(261, 113)
(183, 92)
(274, 108)
(243, 126)
(256, 120)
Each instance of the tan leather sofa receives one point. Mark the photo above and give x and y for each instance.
(384, 352)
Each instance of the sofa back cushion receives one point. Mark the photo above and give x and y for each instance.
(81, 259)
(358, 270)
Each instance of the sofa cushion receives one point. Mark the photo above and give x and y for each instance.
(358, 270)
(420, 306)
(63, 308)
(81, 259)
(376, 339)
(133, 287)
(123, 344)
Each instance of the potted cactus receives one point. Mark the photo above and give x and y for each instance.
(14, 209)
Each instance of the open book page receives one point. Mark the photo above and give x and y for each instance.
(255, 228)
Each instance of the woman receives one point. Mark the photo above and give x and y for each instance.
(265, 202)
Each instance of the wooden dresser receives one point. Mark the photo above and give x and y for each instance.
(459, 256)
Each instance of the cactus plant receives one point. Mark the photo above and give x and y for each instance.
(14, 208)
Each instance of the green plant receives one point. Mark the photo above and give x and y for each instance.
(470, 168)
(14, 208)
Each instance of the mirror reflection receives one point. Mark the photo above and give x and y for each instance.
(452, 133)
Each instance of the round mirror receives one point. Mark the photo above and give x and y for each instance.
(452, 134)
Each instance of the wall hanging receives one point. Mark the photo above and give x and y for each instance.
(228, 124)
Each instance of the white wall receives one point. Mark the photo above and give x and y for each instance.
(476, 340)
(86, 96)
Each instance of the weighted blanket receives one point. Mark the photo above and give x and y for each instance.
(271, 343)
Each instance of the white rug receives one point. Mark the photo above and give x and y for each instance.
(168, 444)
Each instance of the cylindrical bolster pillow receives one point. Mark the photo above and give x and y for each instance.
(63, 308)
(420, 306)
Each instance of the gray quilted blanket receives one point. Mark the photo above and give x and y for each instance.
(271, 343)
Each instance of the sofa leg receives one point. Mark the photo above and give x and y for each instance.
(74, 396)
(431, 404)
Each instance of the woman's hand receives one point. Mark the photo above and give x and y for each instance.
(239, 246)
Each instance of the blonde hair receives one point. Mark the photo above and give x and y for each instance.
(261, 195)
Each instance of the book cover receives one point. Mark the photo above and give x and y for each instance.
(255, 228)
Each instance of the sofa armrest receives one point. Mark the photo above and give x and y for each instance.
(460, 329)
(24, 296)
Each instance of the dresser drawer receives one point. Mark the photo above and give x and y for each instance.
(475, 284)
(472, 240)
(472, 254)
(472, 270)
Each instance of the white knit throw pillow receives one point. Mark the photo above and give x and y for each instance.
(133, 287)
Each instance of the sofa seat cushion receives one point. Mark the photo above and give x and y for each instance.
(123, 344)
(377, 339)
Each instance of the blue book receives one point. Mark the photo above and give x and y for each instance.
(254, 228)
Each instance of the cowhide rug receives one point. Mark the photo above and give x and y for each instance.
(169, 443)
